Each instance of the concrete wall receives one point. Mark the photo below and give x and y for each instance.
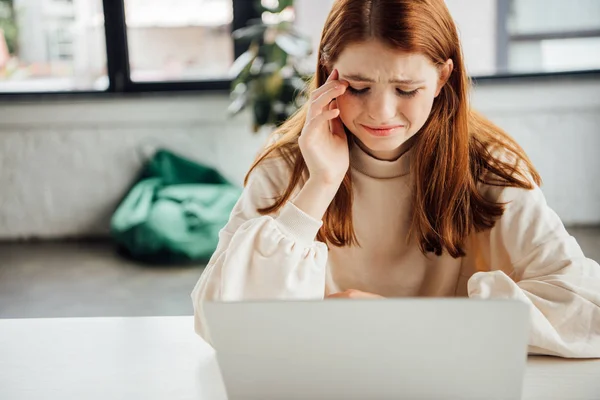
(64, 165)
(558, 125)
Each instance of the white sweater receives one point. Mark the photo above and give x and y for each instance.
(528, 256)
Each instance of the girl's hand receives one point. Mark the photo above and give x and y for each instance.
(354, 294)
(323, 140)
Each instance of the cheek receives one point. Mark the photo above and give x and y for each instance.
(349, 109)
(417, 111)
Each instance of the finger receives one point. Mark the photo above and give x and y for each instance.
(333, 75)
(345, 293)
(341, 295)
(332, 106)
(322, 118)
(325, 88)
(331, 81)
(357, 294)
(321, 104)
(335, 124)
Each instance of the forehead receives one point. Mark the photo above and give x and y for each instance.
(378, 61)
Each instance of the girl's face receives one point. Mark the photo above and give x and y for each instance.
(390, 94)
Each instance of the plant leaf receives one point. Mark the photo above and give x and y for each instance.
(238, 104)
(243, 62)
(282, 5)
(251, 32)
(293, 45)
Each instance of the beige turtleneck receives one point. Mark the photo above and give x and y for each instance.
(528, 255)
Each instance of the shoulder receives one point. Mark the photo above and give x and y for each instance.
(271, 177)
(493, 184)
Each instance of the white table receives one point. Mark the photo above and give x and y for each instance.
(162, 358)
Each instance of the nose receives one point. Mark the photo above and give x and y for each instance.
(382, 107)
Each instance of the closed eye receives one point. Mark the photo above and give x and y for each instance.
(359, 92)
(407, 94)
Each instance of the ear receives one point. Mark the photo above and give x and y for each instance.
(445, 72)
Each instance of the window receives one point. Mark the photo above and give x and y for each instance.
(553, 35)
(154, 45)
(512, 37)
(52, 46)
(118, 45)
(179, 40)
(506, 37)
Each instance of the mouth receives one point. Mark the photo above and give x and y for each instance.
(382, 131)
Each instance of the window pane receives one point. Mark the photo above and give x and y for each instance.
(52, 45)
(179, 39)
(544, 50)
(553, 16)
(555, 55)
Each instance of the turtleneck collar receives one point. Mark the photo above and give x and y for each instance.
(365, 163)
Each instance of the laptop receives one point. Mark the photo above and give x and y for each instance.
(410, 348)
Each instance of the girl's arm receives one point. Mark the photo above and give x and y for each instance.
(546, 269)
(264, 257)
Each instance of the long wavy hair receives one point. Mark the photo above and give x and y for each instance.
(456, 150)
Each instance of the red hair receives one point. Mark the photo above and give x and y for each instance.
(456, 149)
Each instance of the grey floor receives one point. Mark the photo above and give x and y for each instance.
(75, 279)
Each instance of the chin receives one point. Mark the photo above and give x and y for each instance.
(382, 144)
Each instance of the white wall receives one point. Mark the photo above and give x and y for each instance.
(64, 166)
(476, 24)
(310, 19)
(558, 125)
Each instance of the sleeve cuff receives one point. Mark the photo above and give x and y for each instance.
(301, 226)
(493, 284)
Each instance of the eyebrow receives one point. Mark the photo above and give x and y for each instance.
(361, 78)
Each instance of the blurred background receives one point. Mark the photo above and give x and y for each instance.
(90, 90)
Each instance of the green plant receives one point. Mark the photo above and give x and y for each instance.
(266, 76)
(8, 25)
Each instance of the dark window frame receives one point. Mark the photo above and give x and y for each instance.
(120, 82)
(119, 73)
(504, 38)
(117, 59)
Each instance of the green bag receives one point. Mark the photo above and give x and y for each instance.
(174, 213)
